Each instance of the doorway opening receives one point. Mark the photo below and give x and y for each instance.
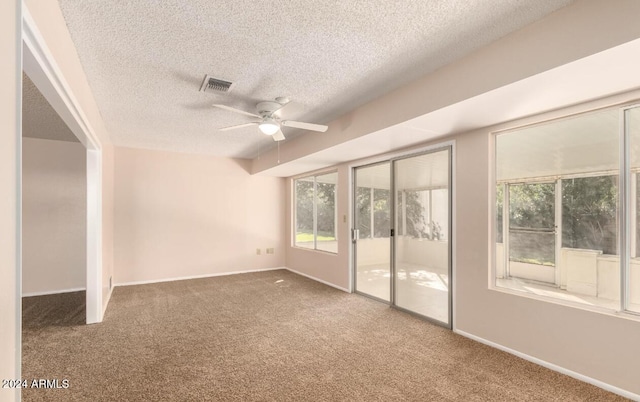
(42, 69)
(54, 216)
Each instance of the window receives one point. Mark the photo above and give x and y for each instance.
(423, 214)
(363, 206)
(532, 223)
(315, 212)
(439, 214)
(305, 220)
(589, 213)
(560, 221)
(631, 273)
(372, 205)
(381, 208)
(498, 212)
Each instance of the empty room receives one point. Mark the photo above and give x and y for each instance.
(320, 200)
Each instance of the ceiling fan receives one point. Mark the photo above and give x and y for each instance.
(270, 123)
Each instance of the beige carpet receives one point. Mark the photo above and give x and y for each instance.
(267, 336)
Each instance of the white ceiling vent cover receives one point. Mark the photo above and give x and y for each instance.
(215, 84)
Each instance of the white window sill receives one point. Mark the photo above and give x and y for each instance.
(606, 307)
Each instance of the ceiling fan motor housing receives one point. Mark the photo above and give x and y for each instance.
(266, 109)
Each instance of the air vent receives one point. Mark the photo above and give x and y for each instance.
(215, 84)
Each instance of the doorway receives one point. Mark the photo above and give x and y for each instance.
(39, 64)
(402, 233)
(54, 216)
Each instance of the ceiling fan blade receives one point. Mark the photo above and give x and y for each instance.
(278, 110)
(305, 126)
(278, 136)
(253, 123)
(233, 109)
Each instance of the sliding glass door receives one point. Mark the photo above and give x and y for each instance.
(422, 216)
(402, 233)
(372, 205)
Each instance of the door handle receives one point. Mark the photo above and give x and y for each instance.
(355, 234)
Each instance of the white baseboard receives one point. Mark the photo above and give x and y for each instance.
(317, 280)
(53, 292)
(182, 278)
(551, 366)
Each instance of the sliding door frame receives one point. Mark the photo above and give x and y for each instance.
(449, 146)
(449, 150)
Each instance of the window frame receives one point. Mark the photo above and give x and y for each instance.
(628, 203)
(294, 219)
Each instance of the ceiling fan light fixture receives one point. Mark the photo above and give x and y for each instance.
(269, 126)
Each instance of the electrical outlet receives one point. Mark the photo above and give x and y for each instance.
(270, 251)
(258, 251)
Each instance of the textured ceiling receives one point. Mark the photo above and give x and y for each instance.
(39, 120)
(145, 60)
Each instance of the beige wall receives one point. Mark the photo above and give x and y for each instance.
(54, 208)
(51, 23)
(180, 215)
(11, 84)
